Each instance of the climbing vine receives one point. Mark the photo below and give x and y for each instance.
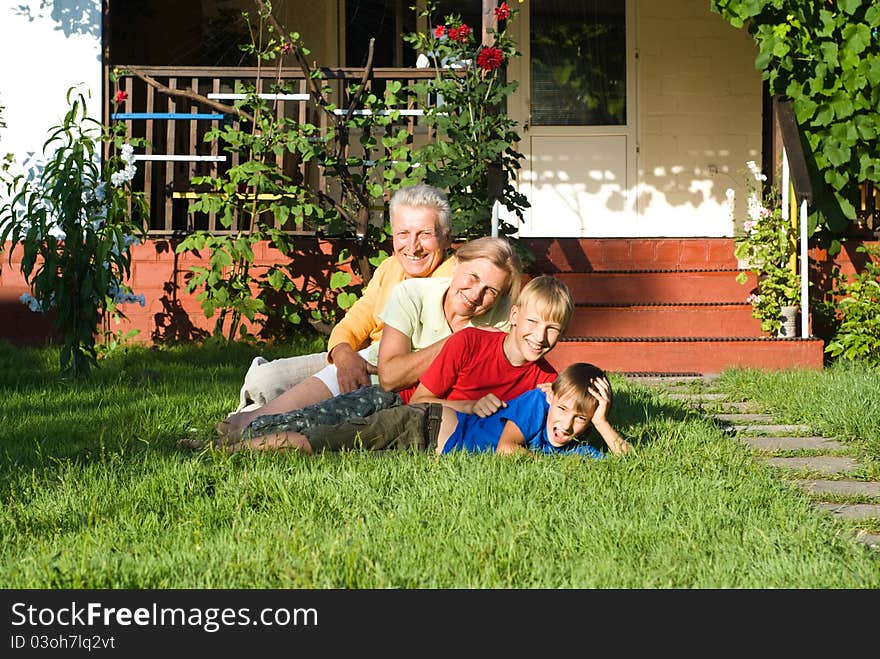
(825, 57)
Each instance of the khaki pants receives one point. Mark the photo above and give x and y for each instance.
(402, 428)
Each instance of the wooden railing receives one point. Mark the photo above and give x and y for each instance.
(174, 127)
(796, 183)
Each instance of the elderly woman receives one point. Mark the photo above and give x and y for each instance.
(420, 316)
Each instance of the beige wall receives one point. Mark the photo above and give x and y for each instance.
(314, 20)
(699, 115)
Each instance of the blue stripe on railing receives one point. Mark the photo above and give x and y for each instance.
(164, 115)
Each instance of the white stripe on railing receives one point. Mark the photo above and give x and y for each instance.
(403, 113)
(269, 97)
(174, 158)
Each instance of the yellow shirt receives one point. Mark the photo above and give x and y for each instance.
(361, 325)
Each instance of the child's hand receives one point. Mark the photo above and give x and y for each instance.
(601, 389)
(545, 387)
(488, 405)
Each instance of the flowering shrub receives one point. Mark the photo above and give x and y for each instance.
(767, 245)
(75, 227)
(475, 147)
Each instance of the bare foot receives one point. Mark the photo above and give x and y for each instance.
(232, 426)
(193, 443)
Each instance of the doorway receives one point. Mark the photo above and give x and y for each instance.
(576, 107)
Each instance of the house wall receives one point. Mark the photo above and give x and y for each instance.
(45, 49)
(316, 23)
(699, 117)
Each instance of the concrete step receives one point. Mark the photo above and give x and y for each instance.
(687, 354)
(639, 320)
(656, 286)
(553, 255)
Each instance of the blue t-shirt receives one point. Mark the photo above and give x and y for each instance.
(528, 411)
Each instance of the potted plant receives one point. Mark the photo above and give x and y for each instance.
(766, 245)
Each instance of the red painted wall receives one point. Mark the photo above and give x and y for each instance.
(173, 315)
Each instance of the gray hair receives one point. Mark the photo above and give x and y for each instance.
(423, 195)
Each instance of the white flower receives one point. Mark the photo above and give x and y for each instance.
(123, 175)
(756, 171)
(127, 154)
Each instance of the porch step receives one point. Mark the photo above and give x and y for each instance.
(687, 353)
(713, 319)
(656, 286)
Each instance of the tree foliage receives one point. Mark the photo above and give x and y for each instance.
(825, 56)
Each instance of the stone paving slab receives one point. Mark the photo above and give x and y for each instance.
(738, 406)
(744, 417)
(870, 539)
(776, 443)
(696, 397)
(768, 428)
(846, 488)
(823, 464)
(852, 510)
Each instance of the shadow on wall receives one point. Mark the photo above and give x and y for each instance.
(21, 326)
(73, 17)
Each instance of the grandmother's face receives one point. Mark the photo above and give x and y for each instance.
(418, 241)
(475, 287)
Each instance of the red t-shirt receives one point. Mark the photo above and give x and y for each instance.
(472, 364)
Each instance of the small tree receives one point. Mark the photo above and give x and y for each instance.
(75, 226)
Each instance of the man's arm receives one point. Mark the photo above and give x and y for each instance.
(511, 440)
(399, 367)
(601, 389)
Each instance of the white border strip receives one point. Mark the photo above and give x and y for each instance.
(403, 113)
(270, 97)
(173, 158)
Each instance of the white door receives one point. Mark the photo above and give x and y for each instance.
(576, 108)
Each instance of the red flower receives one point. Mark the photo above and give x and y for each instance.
(453, 33)
(502, 12)
(286, 48)
(120, 96)
(464, 32)
(439, 31)
(490, 59)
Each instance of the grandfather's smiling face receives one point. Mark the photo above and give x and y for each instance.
(418, 241)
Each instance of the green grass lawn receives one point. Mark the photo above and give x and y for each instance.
(96, 493)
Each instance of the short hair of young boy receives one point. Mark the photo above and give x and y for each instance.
(551, 298)
(575, 381)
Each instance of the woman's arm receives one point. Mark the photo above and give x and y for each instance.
(398, 366)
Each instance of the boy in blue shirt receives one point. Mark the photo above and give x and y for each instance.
(535, 422)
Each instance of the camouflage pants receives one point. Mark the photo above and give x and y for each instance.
(359, 403)
(405, 427)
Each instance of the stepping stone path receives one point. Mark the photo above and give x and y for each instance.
(758, 431)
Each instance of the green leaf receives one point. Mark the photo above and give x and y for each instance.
(340, 279)
(855, 37)
(345, 300)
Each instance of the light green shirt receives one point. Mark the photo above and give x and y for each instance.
(415, 308)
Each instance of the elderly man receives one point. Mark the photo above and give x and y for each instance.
(421, 237)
